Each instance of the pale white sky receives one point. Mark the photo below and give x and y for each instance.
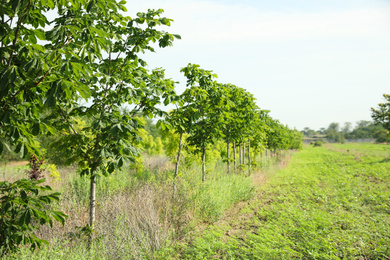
(309, 62)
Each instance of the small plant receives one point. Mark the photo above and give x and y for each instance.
(53, 172)
(36, 173)
(23, 210)
(317, 144)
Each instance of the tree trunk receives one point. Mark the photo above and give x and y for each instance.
(234, 152)
(255, 155)
(243, 152)
(261, 158)
(177, 162)
(240, 152)
(92, 206)
(178, 155)
(204, 164)
(249, 157)
(228, 157)
(92, 200)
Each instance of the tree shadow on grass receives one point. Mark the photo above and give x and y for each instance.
(386, 160)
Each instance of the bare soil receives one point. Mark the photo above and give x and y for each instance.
(16, 163)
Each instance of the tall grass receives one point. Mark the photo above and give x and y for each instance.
(138, 212)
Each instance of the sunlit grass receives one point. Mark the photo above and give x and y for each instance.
(138, 212)
(331, 202)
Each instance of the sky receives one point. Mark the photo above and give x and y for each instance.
(309, 62)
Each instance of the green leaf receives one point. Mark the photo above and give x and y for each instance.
(25, 218)
(32, 38)
(59, 216)
(120, 162)
(111, 167)
(20, 149)
(16, 4)
(36, 129)
(40, 34)
(83, 90)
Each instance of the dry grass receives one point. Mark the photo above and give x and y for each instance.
(130, 224)
(135, 216)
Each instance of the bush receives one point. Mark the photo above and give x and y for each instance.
(317, 144)
(53, 172)
(382, 136)
(22, 210)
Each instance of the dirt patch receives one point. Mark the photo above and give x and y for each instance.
(259, 179)
(238, 219)
(16, 163)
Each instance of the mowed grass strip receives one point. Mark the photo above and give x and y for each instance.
(330, 202)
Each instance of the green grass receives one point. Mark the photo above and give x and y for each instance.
(331, 202)
(137, 211)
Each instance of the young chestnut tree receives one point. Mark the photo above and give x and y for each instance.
(205, 100)
(90, 52)
(381, 115)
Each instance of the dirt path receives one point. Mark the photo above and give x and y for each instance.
(238, 219)
(16, 163)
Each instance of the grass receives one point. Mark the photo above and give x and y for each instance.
(330, 202)
(138, 215)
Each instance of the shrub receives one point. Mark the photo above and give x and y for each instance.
(36, 173)
(317, 144)
(22, 210)
(53, 172)
(382, 136)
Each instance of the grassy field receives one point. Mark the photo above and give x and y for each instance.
(138, 215)
(330, 202)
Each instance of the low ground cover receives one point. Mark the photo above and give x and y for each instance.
(138, 212)
(330, 202)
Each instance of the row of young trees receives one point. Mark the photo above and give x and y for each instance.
(90, 51)
(209, 111)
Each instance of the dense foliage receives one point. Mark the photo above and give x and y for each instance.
(381, 115)
(23, 210)
(209, 112)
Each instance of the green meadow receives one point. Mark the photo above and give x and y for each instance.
(329, 202)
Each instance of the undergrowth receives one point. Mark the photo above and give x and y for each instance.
(138, 214)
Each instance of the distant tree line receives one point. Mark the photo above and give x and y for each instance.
(363, 130)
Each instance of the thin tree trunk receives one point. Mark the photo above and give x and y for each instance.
(228, 157)
(178, 161)
(92, 205)
(243, 152)
(249, 156)
(92, 200)
(261, 158)
(234, 152)
(204, 164)
(255, 156)
(240, 153)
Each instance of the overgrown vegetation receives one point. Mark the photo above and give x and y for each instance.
(138, 212)
(24, 209)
